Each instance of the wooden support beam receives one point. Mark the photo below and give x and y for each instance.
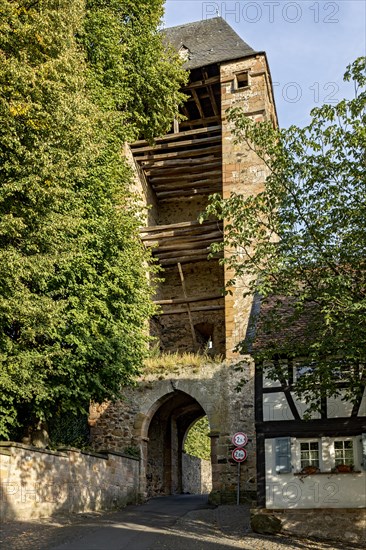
(187, 306)
(197, 102)
(195, 152)
(173, 195)
(200, 121)
(183, 244)
(175, 167)
(188, 259)
(188, 234)
(202, 83)
(193, 310)
(180, 135)
(187, 251)
(211, 94)
(182, 177)
(180, 186)
(181, 248)
(180, 225)
(190, 300)
(175, 144)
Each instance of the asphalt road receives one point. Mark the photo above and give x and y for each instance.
(134, 528)
(180, 522)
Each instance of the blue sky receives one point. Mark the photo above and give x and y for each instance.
(308, 44)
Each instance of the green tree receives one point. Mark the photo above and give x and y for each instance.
(303, 239)
(74, 294)
(197, 442)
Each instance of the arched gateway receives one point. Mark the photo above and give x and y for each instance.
(165, 437)
(174, 177)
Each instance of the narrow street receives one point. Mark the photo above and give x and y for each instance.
(180, 522)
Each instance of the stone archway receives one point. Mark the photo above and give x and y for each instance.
(168, 425)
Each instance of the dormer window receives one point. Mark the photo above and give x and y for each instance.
(184, 52)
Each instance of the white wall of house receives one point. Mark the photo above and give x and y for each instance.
(324, 490)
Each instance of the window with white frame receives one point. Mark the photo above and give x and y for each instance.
(325, 454)
(309, 454)
(343, 452)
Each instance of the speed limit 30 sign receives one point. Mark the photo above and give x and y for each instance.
(239, 454)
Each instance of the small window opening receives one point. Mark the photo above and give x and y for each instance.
(242, 80)
(204, 336)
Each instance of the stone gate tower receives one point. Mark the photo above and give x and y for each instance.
(175, 176)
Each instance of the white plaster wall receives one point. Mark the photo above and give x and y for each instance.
(275, 407)
(325, 490)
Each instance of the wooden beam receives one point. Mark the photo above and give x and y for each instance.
(197, 102)
(172, 195)
(179, 154)
(318, 427)
(187, 245)
(200, 121)
(190, 300)
(203, 250)
(187, 306)
(180, 225)
(175, 167)
(182, 177)
(182, 186)
(176, 144)
(189, 259)
(180, 135)
(202, 83)
(211, 94)
(171, 236)
(193, 310)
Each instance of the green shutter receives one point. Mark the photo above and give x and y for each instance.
(283, 455)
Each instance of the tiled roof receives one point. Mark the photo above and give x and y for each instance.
(276, 324)
(207, 42)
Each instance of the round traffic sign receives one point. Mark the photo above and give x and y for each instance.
(240, 439)
(239, 454)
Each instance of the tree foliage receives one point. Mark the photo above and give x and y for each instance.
(197, 442)
(74, 294)
(303, 238)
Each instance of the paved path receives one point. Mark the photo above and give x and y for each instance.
(183, 522)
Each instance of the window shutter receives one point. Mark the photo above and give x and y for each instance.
(364, 451)
(283, 455)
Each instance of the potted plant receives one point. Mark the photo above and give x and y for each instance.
(344, 468)
(310, 470)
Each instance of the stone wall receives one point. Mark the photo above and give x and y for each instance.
(342, 525)
(242, 170)
(39, 483)
(201, 279)
(197, 475)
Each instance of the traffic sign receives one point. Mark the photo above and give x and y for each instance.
(239, 454)
(240, 439)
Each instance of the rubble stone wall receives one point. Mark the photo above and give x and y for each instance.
(197, 475)
(38, 483)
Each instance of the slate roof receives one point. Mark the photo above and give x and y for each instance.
(209, 41)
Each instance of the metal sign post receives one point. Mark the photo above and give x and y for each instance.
(238, 488)
(239, 454)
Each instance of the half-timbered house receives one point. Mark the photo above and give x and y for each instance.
(303, 462)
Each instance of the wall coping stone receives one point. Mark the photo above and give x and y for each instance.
(119, 453)
(16, 445)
